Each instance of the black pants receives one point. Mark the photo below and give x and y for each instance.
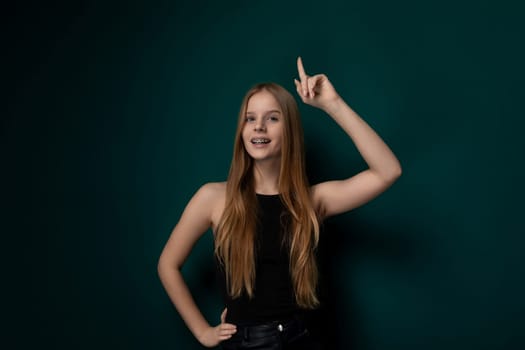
(278, 335)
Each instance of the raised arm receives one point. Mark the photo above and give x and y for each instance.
(335, 197)
(195, 220)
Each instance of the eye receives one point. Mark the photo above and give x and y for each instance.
(273, 118)
(249, 119)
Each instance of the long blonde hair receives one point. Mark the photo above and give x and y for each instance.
(235, 234)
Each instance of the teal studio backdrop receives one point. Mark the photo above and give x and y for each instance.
(115, 114)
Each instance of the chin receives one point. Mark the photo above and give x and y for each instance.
(259, 157)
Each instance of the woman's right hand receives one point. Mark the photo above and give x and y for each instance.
(214, 335)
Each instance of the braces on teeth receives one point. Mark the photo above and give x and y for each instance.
(260, 141)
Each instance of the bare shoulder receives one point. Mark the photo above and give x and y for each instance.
(196, 219)
(212, 190)
(214, 194)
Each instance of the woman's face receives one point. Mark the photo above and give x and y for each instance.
(263, 127)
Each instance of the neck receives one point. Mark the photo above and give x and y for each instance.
(266, 176)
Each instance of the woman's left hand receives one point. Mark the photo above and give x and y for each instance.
(315, 90)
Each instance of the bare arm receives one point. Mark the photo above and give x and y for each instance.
(195, 220)
(335, 197)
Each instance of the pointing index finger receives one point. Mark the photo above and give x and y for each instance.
(300, 68)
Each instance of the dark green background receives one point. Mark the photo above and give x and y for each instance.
(115, 114)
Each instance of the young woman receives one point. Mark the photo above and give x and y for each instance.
(265, 218)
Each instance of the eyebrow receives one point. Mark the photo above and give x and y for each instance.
(268, 112)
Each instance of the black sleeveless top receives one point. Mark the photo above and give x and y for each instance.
(273, 297)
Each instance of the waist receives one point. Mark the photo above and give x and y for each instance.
(287, 330)
(260, 309)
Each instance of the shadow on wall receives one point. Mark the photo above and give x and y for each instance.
(345, 241)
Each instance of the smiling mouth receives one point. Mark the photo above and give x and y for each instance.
(260, 141)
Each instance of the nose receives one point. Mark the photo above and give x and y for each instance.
(260, 126)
